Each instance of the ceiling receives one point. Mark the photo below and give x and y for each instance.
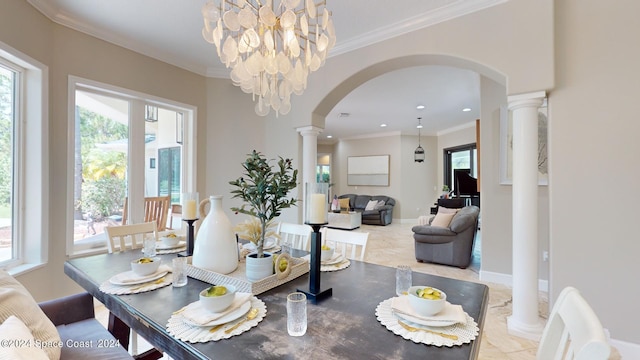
(170, 31)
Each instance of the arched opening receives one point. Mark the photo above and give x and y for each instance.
(415, 188)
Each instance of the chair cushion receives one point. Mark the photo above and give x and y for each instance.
(21, 345)
(16, 300)
(442, 219)
(88, 339)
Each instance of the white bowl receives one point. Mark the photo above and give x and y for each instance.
(147, 268)
(326, 255)
(218, 303)
(170, 241)
(426, 307)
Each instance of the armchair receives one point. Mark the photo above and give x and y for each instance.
(452, 245)
(80, 326)
(64, 328)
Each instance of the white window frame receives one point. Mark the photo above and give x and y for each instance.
(30, 211)
(136, 160)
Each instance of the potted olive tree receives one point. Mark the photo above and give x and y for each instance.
(263, 189)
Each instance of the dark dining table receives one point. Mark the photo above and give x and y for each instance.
(343, 326)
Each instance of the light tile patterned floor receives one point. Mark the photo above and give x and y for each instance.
(393, 245)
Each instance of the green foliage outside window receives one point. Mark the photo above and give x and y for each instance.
(103, 172)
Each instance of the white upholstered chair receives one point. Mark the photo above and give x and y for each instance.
(346, 242)
(295, 235)
(573, 331)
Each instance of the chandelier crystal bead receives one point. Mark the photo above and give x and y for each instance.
(270, 46)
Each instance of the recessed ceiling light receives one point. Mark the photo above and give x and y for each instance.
(383, 125)
(329, 136)
(466, 109)
(420, 107)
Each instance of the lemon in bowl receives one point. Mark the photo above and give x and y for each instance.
(145, 266)
(426, 300)
(171, 239)
(218, 297)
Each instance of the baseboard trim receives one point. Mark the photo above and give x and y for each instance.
(507, 280)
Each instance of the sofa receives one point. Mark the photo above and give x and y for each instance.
(448, 239)
(63, 328)
(380, 214)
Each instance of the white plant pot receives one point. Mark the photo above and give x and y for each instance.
(259, 268)
(215, 248)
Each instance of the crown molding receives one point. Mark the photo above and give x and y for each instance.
(55, 15)
(418, 21)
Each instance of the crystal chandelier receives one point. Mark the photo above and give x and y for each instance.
(270, 49)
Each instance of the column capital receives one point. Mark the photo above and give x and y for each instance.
(534, 99)
(309, 130)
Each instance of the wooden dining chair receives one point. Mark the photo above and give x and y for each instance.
(346, 242)
(295, 235)
(573, 331)
(121, 238)
(156, 208)
(176, 213)
(124, 237)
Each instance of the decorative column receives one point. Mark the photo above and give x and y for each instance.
(309, 154)
(524, 320)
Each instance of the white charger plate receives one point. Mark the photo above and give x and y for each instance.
(118, 279)
(161, 246)
(235, 314)
(268, 244)
(335, 259)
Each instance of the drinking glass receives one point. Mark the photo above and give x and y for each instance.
(179, 265)
(403, 279)
(296, 314)
(149, 245)
(286, 247)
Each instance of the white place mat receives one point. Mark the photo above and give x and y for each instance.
(181, 330)
(465, 332)
(345, 263)
(109, 288)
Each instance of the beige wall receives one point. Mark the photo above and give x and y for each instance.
(594, 147)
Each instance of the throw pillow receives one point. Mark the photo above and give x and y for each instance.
(18, 342)
(344, 203)
(16, 300)
(442, 220)
(445, 210)
(379, 205)
(371, 205)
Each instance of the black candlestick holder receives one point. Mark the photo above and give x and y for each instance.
(314, 293)
(190, 237)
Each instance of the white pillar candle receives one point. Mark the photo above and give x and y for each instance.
(317, 209)
(189, 209)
